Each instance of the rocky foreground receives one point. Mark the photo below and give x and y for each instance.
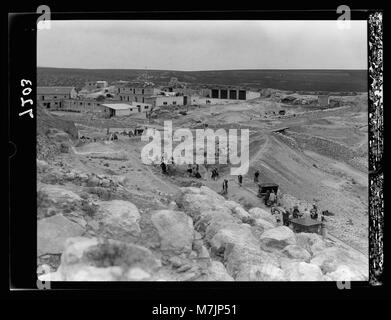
(199, 236)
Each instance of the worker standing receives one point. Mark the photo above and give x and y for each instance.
(285, 217)
(225, 186)
(296, 212)
(267, 197)
(164, 167)
(272, 197)
(240, 180)
(323, 227)
(256, 176)
(314, 212)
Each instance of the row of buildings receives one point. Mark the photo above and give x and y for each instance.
(134, 99)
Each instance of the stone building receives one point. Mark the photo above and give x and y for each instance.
(136, 94)
(162, 100)
(229, 93)
(53, 97)
(324, 100)
(125, 109)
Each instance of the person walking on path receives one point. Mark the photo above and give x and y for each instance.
(225, 186)
(256, 176)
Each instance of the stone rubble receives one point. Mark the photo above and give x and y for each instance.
(204, 238)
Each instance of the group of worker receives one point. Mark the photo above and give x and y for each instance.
(193, 171)
(215, 174)
(295, 213)
(165, 166)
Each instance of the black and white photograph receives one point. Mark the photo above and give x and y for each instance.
(205, 150)
(127, 190)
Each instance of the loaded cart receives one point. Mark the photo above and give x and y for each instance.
(306, 225)
(263, 188)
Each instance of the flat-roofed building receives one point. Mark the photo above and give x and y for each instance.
(117, 109)
(125, 109)
(136, 94)
(161, 101)
(53, 97)
(90, 85)
(229, 93)
(83, 105)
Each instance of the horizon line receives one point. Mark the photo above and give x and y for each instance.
(204, 70)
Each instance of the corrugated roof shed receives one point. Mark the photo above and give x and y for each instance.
(54, 90)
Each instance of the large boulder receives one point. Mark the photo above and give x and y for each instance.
(91, 259)
(118, 219)
(266, 225)
(277, 238)
(231, 204)
(302, 271)
(197, 200)
(237, 259)
(241, 214)
(211, 193)
(296, 252)
(175, 230)
(311, 242)
(331, 258)
(258, 213)
(234, 234)
(342, 273)
(210, 222)
(42, 165)
(52, 233)
(262, 272)
(217, 272)
(59, 194)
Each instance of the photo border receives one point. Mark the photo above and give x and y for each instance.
(22, 34)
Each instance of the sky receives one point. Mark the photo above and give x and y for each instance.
(202, 45)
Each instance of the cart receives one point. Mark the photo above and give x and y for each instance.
(306, 225)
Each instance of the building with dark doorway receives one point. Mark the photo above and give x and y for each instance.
(229, 93)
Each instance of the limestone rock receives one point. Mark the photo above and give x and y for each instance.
(137, 274)
(258, 213)
(266, 225)
(331, 258)
(42, 165)
(311, 242)
(296, 252)
(93, 181)
(237, 257)
(241, 213)
(119, 219)
(234, 234)
(231, 204)
(52, 233)
(302, 271)
(217, 272)
(59, 194)
(175, 230)
(91, 259)
(342, 273)
(90, 273)
(262, 272)
(278, 238)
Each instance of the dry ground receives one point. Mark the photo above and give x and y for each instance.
(304, 174)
